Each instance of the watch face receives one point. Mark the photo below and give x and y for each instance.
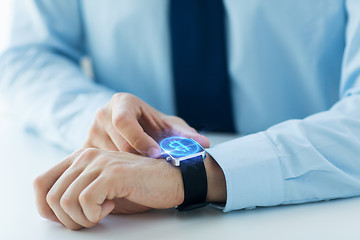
(179, 146)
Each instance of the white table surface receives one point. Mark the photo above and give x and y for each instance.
(22, 157)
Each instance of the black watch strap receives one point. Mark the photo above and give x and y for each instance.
(195, 183)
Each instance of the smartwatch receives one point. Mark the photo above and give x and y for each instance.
(189, 156)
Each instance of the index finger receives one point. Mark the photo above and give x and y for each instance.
(130, 129)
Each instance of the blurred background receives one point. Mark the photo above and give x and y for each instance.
(5, 23)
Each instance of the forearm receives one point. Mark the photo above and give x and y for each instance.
(296, 161)
(51, 94)
(319, 155)
(40, 74)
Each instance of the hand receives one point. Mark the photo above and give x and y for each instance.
(128, 124)
(85, 187)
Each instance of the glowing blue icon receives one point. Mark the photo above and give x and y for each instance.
(179, 146)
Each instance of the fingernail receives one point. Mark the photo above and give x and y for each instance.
(154, 152)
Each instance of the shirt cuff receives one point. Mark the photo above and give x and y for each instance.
(74, 132)
(252, 172)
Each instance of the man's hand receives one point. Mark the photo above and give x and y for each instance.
(88, 185)
(128, 124)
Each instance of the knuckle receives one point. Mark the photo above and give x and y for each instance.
(101, 113)
(121, 119)
(123, 96)
(65, 203)
(39, 182)
(99, 163)
(51, 198)
(84, 198)
(88, 154)
(117, 95)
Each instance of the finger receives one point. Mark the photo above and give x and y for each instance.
(44, 182)
(180, 128)
(70, 199)
(103, 135)
(128, 126)
(152, 123)
(57, 190)
(121, 144)
(185, 132)
(106, 208)
(53, 199)
(94, 202)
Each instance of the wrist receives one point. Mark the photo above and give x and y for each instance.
(216, 181)
(177, 186)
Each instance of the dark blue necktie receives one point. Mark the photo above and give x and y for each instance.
(199, 62)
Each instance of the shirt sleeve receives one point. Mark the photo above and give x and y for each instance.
(41, 76)
(297, 161)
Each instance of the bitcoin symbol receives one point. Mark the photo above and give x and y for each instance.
(178, 146)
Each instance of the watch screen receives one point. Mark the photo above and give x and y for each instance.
(180, 146)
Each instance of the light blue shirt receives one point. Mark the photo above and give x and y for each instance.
(295, 80)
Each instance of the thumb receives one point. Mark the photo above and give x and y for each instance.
(106, 208)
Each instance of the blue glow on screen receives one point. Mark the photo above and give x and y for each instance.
(179, 146)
